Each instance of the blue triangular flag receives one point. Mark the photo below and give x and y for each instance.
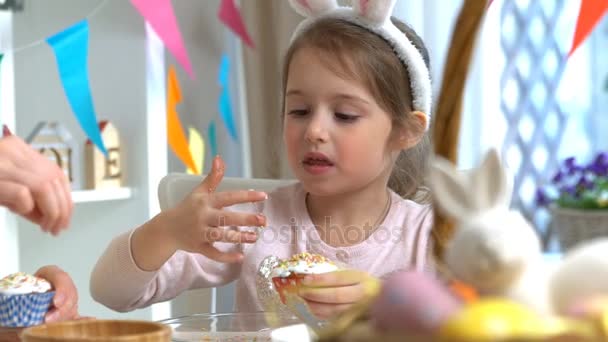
(224, 72)
(212, 139)
(224, 104)
(226, 113)
(71, 50)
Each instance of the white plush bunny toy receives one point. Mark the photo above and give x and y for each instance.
(494, 249)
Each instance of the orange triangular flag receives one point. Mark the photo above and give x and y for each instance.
(589, 15)
(175, 132)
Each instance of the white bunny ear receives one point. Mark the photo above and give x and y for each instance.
(493, 188)
(375, 11)
(450, 189)
(313, 8)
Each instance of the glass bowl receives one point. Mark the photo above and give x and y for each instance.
(241, 326)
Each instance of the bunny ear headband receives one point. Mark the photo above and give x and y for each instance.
(375, 16)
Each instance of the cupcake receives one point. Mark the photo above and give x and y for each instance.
(24, 300)
(287, 275)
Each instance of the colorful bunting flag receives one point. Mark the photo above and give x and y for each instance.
(229, 14)
(590, 13)
(71, 48)
(175, 132)
(212, 138)
(161, 16)
(197, 148)
(224, 104)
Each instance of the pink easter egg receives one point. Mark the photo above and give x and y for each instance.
(412, 302)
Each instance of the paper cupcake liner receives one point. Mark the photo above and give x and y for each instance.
(24, 310)
(287, 285)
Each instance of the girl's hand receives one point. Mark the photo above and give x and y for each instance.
(65, 301)
(199, 221)
(330, 294)
(196, 224)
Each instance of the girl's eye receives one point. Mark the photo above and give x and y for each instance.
(346, 117)
(298, 112)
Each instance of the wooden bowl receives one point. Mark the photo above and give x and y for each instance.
(98, 330)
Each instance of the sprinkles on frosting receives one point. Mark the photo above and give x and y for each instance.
(23, 283)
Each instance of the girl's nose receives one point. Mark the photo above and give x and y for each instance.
(316, 132)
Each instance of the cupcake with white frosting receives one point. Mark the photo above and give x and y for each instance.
(287, 275)
(24, 300)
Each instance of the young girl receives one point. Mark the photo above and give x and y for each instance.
(356, 103)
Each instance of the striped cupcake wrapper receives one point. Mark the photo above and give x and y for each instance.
(24, 310)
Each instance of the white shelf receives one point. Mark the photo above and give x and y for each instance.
(83, 196)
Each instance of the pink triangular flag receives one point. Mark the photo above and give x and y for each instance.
(229, 14)
(589, 15)
(160, 15)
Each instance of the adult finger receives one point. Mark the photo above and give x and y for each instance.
(67, 311)
(67, 190)
(46, 201)
(16, 197)
(62, 203)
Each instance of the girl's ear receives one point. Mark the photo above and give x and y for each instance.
(412, 134)
(313, 8)
(374, 11)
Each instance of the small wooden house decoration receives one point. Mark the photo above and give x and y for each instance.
(53, 140)
(101, 172)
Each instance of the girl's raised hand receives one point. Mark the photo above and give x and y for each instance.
(200, 220)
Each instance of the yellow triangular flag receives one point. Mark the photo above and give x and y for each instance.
(197, 149)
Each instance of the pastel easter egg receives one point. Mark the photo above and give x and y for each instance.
(412, 302)
(492, 319)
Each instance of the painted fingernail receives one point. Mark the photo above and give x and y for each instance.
(6, 132)
(261, 219)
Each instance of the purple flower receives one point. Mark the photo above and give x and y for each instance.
(601, 159)
(574, 169)
(598, 169)
(542, 199)
(584, 183)
(570, 162)
(557, 177)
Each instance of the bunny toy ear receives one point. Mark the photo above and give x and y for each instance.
(451, 189)
(493, 188)
(313, 8)
(374, 11)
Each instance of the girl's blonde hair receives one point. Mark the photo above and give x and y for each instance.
(356, 53)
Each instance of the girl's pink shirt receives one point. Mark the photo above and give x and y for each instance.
(401, 242)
